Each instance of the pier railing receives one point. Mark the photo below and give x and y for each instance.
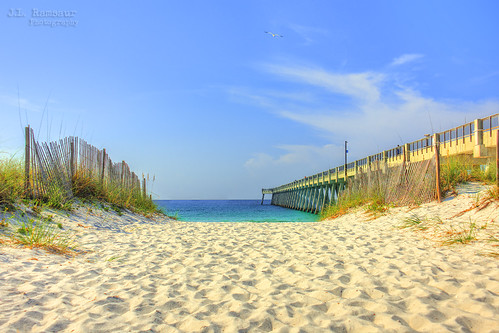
(477, 139)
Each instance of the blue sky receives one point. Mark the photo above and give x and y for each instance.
(195, 93)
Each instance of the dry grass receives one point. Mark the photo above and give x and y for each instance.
(462, 235)
(41, 234)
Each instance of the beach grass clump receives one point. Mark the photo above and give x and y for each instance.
(456, 170)
(495, 243)
(485, 173)
(414, 221)
(4, 223)
(464, 236)
(355, 197)
(492, 193)
(11, 181)
(376, 207)
(345, 203)
(57, 197)
(86, 187)
(122, 197)
(42, 233)
(90, 188)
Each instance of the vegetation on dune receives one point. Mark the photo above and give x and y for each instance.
(17, 228)
(11, 181)
(453, 171)
(119, 197)
(458, 170)
(83, 187)
(42, 233)
(372, 199)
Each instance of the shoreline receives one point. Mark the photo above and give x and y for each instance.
(349, 274)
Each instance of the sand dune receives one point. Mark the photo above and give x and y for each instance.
(351, 274)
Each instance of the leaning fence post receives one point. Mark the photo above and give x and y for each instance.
(27, 155)
(436, 139)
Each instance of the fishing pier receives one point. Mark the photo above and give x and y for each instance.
(477, 139)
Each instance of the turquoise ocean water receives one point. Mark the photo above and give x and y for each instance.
(232, 211)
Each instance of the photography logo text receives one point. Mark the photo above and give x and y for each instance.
(45, 17)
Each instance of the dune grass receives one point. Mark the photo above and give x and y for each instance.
(420, 223)
(44, 233)
(453, 171)
(37, 233)
(414, 222)
(463, 236)
(372, 199)
(83, 187)
(119, 197)
(493, 193)
(456, 170)
(11, 181)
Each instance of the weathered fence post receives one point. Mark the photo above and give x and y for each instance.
(436, 141)
(27, 155)
(103, 165)
(72, 159)
(144, 187)
(122, 172)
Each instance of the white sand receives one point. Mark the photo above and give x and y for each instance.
(345, 275)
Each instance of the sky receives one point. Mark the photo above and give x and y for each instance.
(196, 94)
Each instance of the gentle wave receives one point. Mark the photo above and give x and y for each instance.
(232, 211)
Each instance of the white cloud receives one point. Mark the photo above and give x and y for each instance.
(381, 115)
(361, 86)
(406, 58)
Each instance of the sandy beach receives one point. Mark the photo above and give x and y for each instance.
(351, 274)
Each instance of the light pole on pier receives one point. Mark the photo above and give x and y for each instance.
(346, 162)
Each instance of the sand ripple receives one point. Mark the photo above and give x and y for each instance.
(348, 275)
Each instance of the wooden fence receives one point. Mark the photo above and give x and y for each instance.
(53, 166)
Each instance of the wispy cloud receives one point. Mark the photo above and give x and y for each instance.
(293, 154)
(361, 86)
(406, 58)
(293, 162)
(485, 78)
(22, 103)
(308, 33)
(380, 115)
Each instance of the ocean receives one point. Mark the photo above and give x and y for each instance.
(232, 211)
